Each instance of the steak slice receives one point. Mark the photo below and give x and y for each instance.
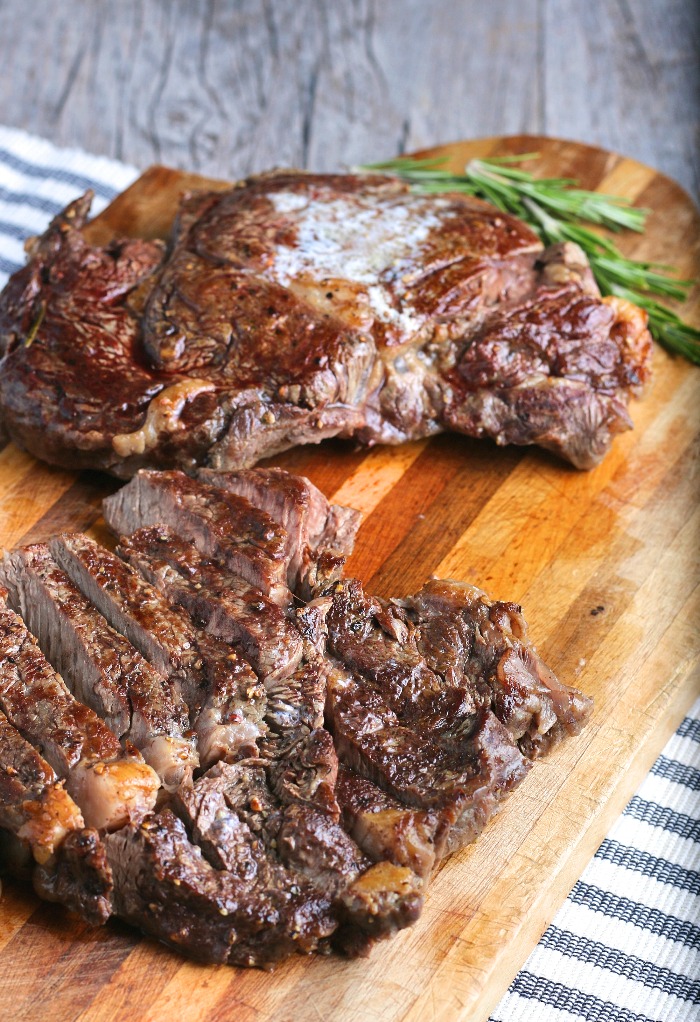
(34, 805)
(313, 527)
(164, 885)
(222, 526)
(228, 606)
(101, 666)
(243, 826)
(225, 700)
(295, 307)
(109, 785)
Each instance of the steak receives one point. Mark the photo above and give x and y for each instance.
(346, 744)
(110, 785)
(224, 697)
(296, 307)
(228, 606)
(102, 667)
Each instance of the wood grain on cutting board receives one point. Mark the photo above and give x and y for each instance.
(605, 564)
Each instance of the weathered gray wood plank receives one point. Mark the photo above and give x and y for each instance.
(232, 86)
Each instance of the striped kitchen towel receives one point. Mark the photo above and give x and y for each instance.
(37, 180)
(625, 947)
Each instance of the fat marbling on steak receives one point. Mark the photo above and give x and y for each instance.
(295, 307)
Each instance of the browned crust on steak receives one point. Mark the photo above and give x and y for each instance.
(296, 307)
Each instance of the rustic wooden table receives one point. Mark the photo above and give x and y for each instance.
(226, 87)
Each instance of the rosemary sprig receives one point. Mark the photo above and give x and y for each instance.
(559, 210)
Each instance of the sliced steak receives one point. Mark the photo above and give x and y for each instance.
(164, 885)
(227, 605)
(34, 805)
(109, 785)
(223, 526)
(435, 705)
(312, 526)
(225, 700)
(102, 667)
(464, 636)
(231, 720)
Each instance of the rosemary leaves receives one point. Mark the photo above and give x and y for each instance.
(558, 210)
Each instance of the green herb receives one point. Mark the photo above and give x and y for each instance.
(34, 329)
(558, 211)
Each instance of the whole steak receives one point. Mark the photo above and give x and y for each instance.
(295, 307)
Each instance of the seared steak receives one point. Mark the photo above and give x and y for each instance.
(224, 697)
(109, 785)
(222, 526)
(347, 744)
(296, 307)
(102, 667)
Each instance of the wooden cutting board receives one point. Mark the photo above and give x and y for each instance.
(605, 564)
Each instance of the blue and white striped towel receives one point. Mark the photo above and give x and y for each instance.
(625, 947)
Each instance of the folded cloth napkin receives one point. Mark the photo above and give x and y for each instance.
(625, 947)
